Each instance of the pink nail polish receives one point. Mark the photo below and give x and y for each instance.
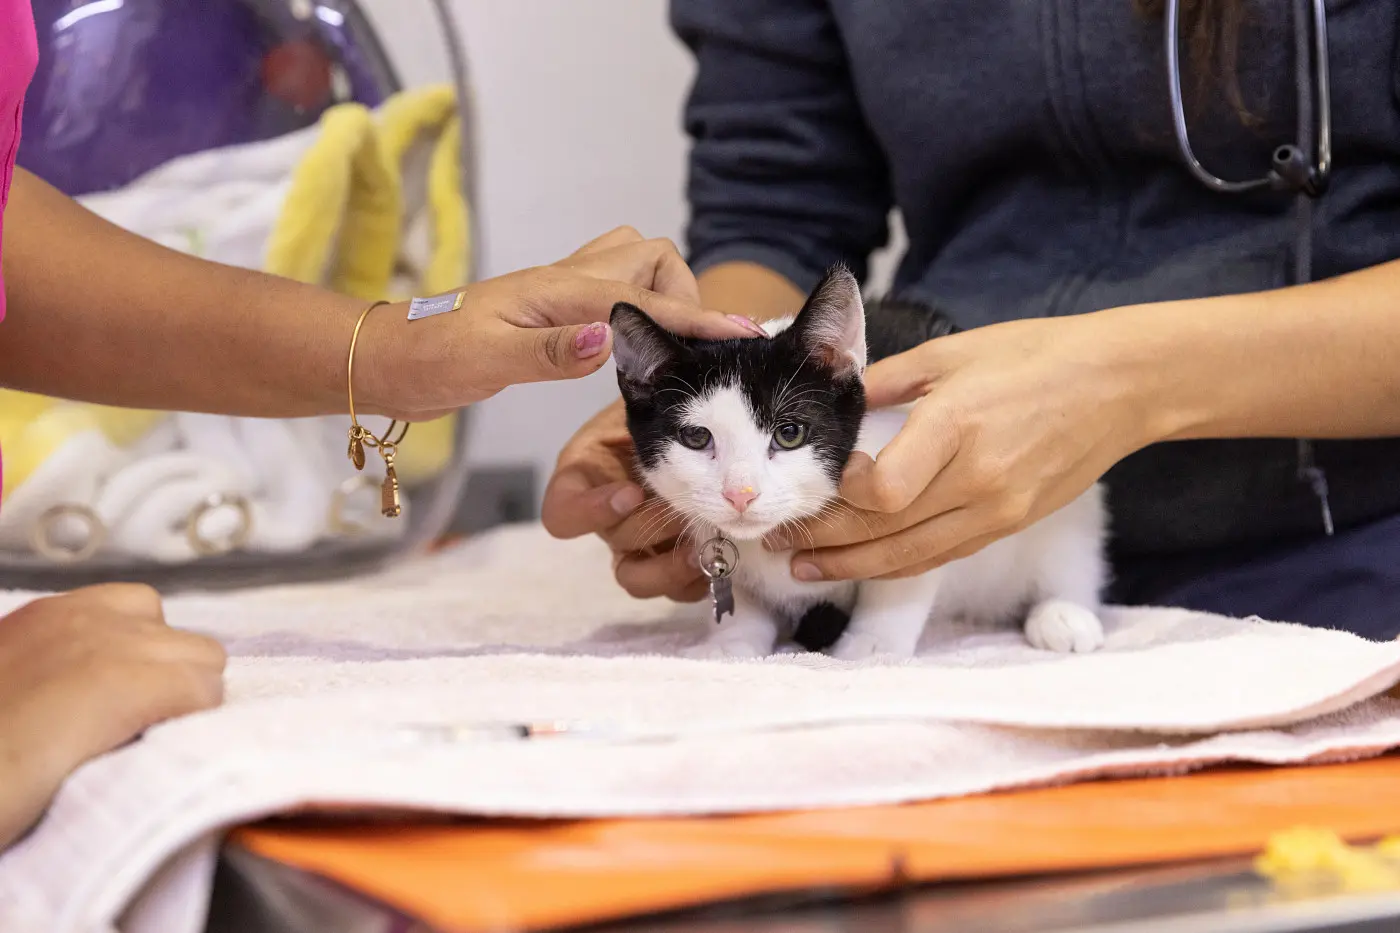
(589, 341)
(747, 325)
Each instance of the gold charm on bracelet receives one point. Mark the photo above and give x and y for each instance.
(356, 451)
(389, 492)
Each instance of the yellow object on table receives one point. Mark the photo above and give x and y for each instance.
(1306, 856)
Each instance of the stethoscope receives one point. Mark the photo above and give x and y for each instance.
(1302, 168)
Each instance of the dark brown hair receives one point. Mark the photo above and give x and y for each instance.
(1211, 34)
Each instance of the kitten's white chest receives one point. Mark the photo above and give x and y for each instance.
(767, 577)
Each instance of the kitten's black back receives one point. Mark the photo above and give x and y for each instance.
(894, 325)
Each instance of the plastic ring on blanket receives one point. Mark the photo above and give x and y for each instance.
(235, 539)
(45, 544)
(336, 519)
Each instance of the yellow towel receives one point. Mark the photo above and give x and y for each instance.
(342, 222)
(34, 427)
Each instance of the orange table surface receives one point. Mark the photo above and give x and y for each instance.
(472, 876)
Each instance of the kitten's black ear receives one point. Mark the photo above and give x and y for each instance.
(641, 347)
(831, 325)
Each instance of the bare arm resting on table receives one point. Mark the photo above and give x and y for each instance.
(82, 674)
(100, 314)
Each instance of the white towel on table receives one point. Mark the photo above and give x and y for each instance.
(357, 694)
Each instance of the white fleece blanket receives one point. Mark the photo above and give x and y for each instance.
(370, 694)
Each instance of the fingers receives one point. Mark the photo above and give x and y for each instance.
(684, 318)
(591, 489)
(508, 353)
(650, 274)
(189, 649)
(136, 605)
(897, 554)
(674, 574)
(689, 321)
(903, 378)
(577, 299)
(835, 528)
(959, 552)
(693, 593)
(908, 464)
(618, 236)
(650, 526)
(184, 689)
(575, 506)
(655, 265)
(844, 523)
(549, 354)
(129, 599)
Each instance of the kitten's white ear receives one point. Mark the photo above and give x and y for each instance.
(640, 346)
(832, 323)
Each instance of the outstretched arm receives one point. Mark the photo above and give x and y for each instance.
(96, 313)
(99, 314)
(1015, 420)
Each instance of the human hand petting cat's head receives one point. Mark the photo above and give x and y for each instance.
(536, 325)
(738, 437)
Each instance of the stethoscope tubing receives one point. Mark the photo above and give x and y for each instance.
(1302, 167)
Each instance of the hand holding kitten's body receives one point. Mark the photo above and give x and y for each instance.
(1057, 600)
(750, 439)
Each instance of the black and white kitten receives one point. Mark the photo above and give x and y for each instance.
(744, 436)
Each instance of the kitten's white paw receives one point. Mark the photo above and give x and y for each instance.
(1058, 625)
(857, 646)
(724, 648)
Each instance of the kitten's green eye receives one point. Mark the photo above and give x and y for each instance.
(790, 435)
(695, 438)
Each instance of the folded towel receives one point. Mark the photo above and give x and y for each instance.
(370, 694)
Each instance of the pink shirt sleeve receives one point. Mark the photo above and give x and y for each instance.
(19, 54)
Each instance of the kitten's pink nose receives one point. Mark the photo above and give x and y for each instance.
(740, 497)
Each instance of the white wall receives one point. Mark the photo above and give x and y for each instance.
(579, 119)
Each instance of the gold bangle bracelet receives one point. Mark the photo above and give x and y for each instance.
(361, 437)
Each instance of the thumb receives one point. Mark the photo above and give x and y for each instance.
(899, 379)
(563, 352)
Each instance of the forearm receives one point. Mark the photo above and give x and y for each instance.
(19, 807)
(1317, 361)
(100, 314)
(749, 289)
(28, 778)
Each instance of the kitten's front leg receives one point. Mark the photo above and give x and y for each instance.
(889, 617)
(750, 631)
